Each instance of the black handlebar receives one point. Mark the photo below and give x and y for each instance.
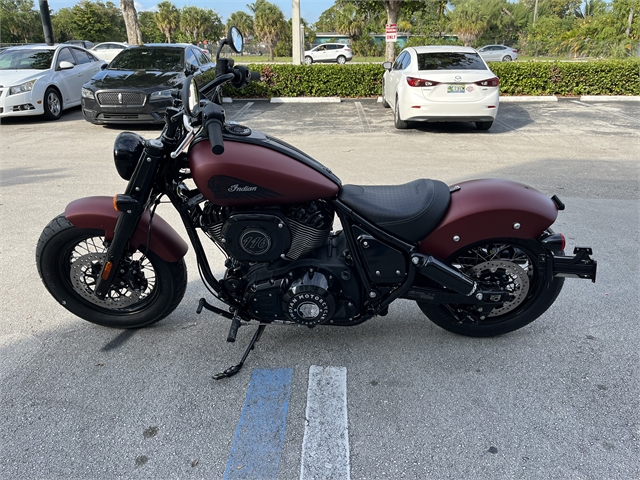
(214, 131)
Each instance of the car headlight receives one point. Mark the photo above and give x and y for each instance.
(25, 87)
(86, 93)
(161, 94)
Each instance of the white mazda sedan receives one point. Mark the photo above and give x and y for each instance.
(440, 84)
(43, 79)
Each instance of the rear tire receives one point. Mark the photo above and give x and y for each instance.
(507, 58)
(483, 125)
(512, 264)
(146, 289)
(342, 60)
(398, 122)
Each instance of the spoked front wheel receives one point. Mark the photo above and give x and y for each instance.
(511, 265)
(145, 290)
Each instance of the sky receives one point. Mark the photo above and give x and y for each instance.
(310, 9)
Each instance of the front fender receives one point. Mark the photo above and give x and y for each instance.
(98, 212)
(486, 209)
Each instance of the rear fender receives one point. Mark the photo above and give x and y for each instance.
(98, 212)
(486, 209)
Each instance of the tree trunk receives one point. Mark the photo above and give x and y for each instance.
(629, 23)
(393, 9)
(134, 36)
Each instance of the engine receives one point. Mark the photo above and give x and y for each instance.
(277, 267)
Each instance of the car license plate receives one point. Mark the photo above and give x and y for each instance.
(455, 88)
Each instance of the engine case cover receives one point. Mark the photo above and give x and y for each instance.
(308, 300)
(255, 237)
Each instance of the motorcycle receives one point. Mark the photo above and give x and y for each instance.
(478, 257)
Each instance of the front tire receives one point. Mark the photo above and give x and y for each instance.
(515, 266)
(145, 290)
(308, 60)
(52, 104)
(385, 104)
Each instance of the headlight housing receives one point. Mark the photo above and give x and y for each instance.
(162, 94)
(127, 150)
(86, 93)
(22, 88)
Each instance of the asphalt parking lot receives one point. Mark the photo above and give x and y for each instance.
(558, 399)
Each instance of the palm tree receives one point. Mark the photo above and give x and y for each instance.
(467, 21)
(167, 18)
(269, 25)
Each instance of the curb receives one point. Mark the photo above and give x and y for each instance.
(523, 99)
(611, 98)
(305, 100)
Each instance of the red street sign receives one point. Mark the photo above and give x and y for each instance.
(391, 31)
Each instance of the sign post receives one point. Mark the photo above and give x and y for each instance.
(392, 32)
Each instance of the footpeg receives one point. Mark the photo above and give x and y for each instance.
(233, 330)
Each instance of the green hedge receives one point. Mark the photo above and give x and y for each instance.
(605, 77)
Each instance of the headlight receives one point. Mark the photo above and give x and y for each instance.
(127, 150)
(86, 93)
(25, 87)
(161, 94)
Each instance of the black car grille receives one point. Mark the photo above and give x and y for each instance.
(125, 99)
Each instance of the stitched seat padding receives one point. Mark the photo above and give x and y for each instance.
(409, 211)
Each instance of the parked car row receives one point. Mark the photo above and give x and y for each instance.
(118, 83)
(135, 87)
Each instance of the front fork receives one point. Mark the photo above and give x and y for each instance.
(131, 205)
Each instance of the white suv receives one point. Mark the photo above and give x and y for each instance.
(328, 52)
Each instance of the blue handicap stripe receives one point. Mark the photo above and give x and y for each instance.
(260, 434)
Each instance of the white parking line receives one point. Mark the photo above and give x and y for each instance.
(325, 447)
(366, 127)
(241, 112)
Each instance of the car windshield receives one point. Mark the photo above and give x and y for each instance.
(162, 59)
(26, 59)
(450, 61)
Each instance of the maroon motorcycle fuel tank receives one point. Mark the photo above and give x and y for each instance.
(260, 172)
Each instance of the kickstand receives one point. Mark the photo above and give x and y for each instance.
(231, 371)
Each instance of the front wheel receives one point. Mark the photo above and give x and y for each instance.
(145, 290)
(52, 104)
(512, 265)
(308, 60)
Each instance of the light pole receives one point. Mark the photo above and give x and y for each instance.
(295, 32)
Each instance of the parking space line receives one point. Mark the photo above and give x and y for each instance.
(325, 446)
(260, 433)
(242, 111)
(510, 128)
(366, 127)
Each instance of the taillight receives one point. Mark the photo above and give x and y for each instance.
(515, 50)
(491, 82)
(419, 82)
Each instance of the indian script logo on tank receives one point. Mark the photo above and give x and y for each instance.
(224, 186)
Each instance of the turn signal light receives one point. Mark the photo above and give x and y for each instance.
(107, 270)
(419, 82)
(491, 82)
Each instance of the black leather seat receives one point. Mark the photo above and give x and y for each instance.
(408, 211)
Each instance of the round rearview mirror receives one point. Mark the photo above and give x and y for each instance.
(190, 96)
(235, 40)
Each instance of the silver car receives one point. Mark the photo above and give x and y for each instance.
(498, 53)
(328, 52)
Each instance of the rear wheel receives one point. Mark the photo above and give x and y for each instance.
(342, 60)
(507, 58)
(483, 125)
(398, 122)
(146, 288)
(512, 265)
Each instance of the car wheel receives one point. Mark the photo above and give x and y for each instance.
(52, 104)
(342, 60)
(308, 60)
(484, 125)
(398, 122)
(385, 104)
(506, 58)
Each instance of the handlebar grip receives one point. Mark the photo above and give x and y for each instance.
(214, 131)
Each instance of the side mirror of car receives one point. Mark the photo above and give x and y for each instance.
(387, 65)
(64, 65)
(104, 66)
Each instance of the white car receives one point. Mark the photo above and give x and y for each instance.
(440, 84)
(498, 53)
(108, 50)
(43, 79)
(329, 52)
